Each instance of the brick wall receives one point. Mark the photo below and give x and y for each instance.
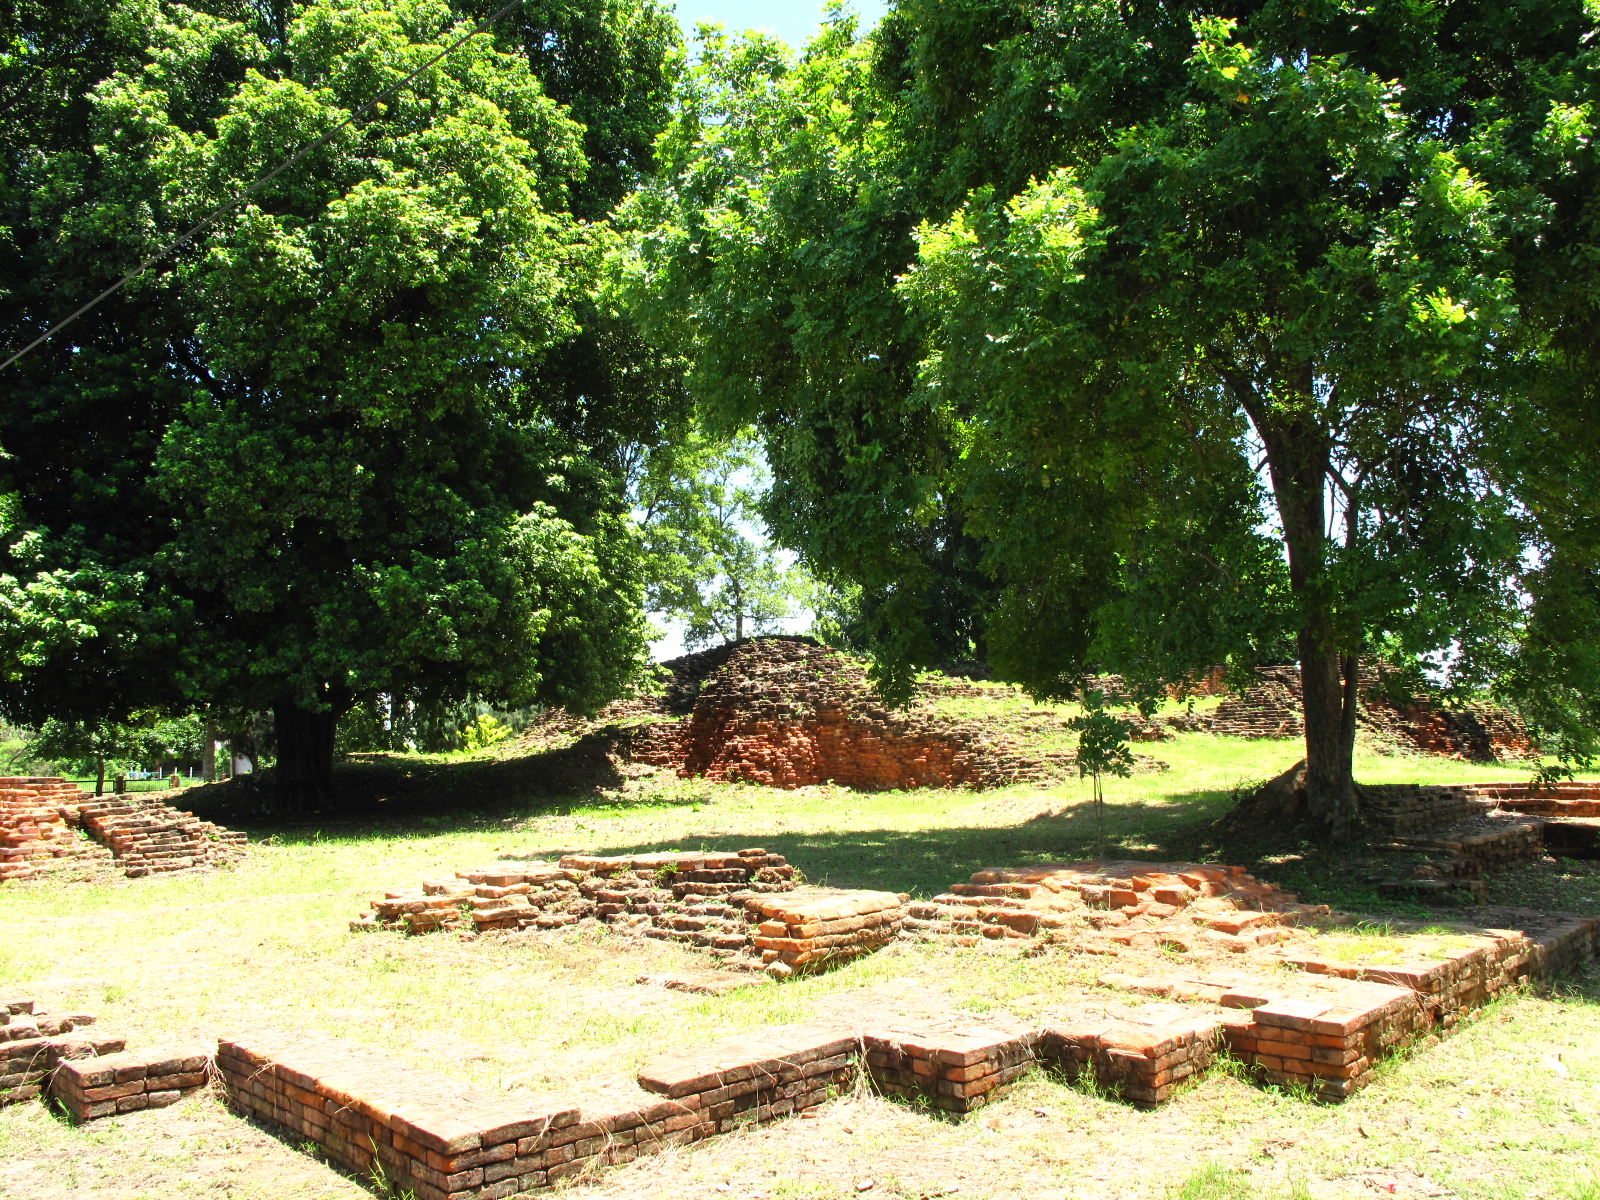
(35, 836)
(442, 1139)
(129, 1081)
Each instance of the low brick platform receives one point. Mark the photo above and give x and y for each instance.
(440, 1138)
(1326, 1028)
(104, 1085)
(1553, 799)
(957, 1072)
(1141, 1054)
(739, 905)
(372, 1113)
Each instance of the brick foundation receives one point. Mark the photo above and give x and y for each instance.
(145, 834)
(813, 931)
(105, 1085)
(957, 1072)
(1141, 1055)
(446, 1140)
(741, 906)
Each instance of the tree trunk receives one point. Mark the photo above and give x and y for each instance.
(1299, 457)
(208, 753)
(100, 775)
(304, 776)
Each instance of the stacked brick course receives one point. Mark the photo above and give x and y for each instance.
(1550, 799)
(1129, 901)
(1326, 1029)
(35, 836)
(1405, 808)
(1269, 709)
(129, 1081)
(1142, 1055)
(739, 905)
(957, 1072)
(33, 1042)
(145, 834)
(809, 931)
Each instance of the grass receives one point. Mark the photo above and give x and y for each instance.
(266, 944)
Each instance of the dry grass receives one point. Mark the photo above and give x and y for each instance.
(266, 944)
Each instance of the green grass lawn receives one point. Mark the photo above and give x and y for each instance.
(266, 944)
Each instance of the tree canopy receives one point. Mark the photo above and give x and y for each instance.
(1186, 331)
(363, 436)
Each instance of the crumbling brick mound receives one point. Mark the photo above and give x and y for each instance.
(145, 834)
(785, 712)
(1471, 733)
(1271, 708)
(35, 836)
(1129, 902)
(34, 1042)
(1268, 709)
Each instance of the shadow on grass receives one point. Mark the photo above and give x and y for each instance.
(924, 862)
(398, 797)
(401, 795)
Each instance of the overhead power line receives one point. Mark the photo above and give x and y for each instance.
(212, 217)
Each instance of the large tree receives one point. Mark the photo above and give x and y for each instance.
(343, 444)
(1208, 326)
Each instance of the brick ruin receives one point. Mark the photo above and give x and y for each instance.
(786, 712)
(129, 1081)
(1172, 904)
(745, 908)
(1323, 1027)
(1207, 943)
(35, 836)
(1271, 708)
(89, 1074)
(33, 1042)
(47, 824)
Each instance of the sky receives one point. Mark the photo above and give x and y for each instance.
(792, 20)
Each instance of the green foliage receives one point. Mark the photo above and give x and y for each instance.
(1102, 741)
(697, 501)
(143, 743)
(365, 436)
(1142, 339)
(486, 730)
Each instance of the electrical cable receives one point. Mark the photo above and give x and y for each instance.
(212, 217)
